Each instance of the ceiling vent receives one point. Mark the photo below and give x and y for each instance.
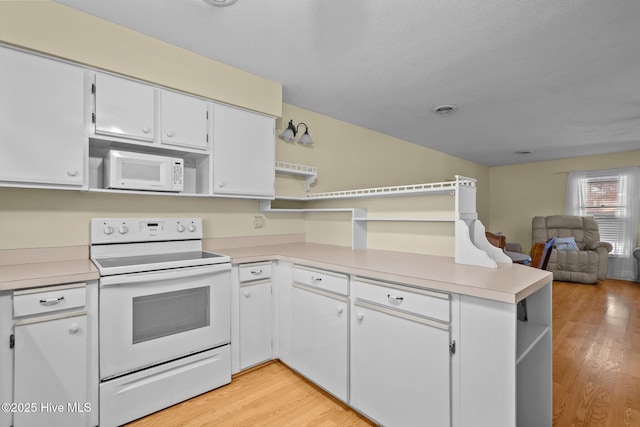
(445, 108)
(220, 3)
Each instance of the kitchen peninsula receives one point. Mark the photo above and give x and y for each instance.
(485, 341)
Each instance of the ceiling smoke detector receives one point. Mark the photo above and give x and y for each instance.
(524, 151)
(220, 3)
(445, 108)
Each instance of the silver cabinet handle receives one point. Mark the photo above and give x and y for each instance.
(316, 279)
(51, 301)
(393, 298)
(256, 272)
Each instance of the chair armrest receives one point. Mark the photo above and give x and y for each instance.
(592, 246)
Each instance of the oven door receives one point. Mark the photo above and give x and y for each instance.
(153, 317)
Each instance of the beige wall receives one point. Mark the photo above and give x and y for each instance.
(61, 31)
(351, 157)
(31, 218)
(520, 192)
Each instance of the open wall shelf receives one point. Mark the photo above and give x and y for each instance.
(471, 245)
(400, 190)
(310, 173)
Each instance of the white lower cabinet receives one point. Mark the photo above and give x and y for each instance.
(320, 338)
(320, 329)
(400, 363)
(252, 313)
(55, 356)
(255, 323)
(50, 372)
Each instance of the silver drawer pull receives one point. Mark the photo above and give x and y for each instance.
(393, 299)
(256, 271)
(316, 279)
(51, 301)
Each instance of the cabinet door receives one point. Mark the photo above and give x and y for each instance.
(243, 152)
(124, 108)
(51, 371)
(320, 339)
(41, 120)
(400, 370)
(184, 120)
(255, 324)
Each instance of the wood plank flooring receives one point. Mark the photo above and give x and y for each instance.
(271, 395)
(596, 354)
(596, 374)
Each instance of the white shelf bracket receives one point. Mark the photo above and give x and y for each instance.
(265, 205)
(479, 239)
(465, 251)
(309, 172)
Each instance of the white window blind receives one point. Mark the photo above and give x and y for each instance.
(611, 197)
(604, 199)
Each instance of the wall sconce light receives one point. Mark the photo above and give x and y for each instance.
(289, 134)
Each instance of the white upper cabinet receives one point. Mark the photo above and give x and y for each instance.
(184, 120)
(124, 108)
(42, 134)
(243, 153)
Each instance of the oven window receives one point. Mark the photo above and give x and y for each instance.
(164, 314)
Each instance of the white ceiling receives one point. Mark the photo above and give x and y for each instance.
(561, 78)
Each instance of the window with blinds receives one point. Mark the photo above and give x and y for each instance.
(605, 198)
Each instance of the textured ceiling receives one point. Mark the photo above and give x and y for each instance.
(561, 78)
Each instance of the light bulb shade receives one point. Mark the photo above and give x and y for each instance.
(306, 138)
(289, 134)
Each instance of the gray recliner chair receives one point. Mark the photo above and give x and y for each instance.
(587, 264)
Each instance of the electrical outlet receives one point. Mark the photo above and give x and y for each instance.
(258, 221)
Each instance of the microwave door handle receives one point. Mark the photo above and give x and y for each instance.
(154, 276)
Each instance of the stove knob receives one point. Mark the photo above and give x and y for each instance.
(123, 229)
(108, 229)
(180, 228)
(192, 228)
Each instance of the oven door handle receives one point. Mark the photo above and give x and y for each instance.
(154, 276)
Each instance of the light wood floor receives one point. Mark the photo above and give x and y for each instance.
(596, 354)
(271, 395)
(596, 374)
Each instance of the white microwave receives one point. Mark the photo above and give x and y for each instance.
(136, 171)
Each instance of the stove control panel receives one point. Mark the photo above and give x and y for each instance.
(129, 230)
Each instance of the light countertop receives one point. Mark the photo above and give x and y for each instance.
(508, 283)
(29, 275)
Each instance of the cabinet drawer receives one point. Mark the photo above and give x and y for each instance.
(421, 302)
(49, 299)
(254, 271)
(327, 280)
